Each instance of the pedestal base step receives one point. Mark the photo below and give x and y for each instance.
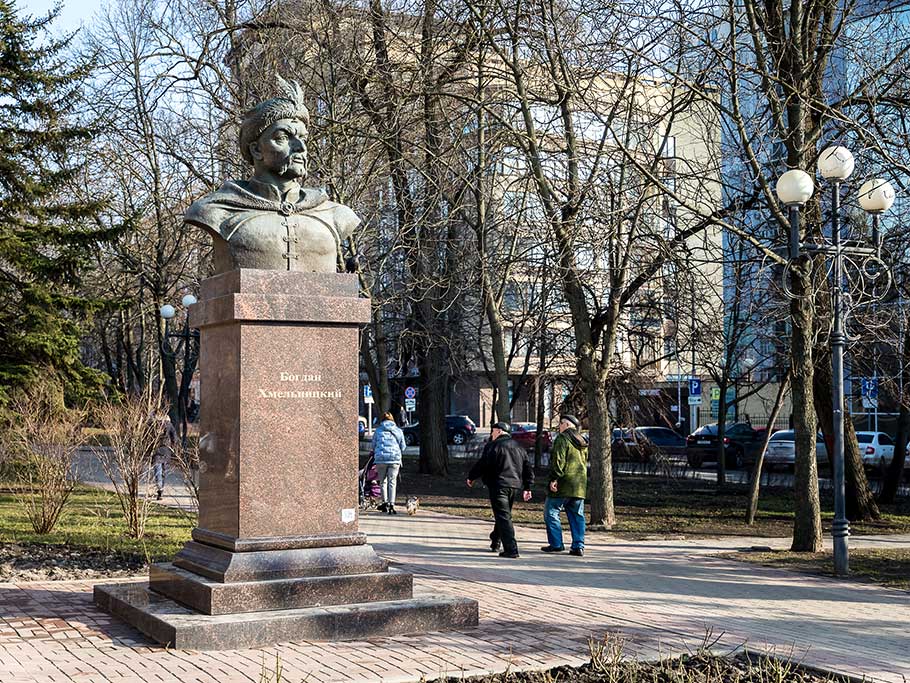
(212, 597)
(173, 625)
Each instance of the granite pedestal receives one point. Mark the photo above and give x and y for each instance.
(278, 554)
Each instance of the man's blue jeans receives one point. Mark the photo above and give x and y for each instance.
(575, 513)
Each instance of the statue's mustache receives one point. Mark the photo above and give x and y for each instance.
(287, 171)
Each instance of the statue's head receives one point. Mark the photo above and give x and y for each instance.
(273, 133)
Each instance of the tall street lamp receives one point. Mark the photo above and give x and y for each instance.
(189, 339)
(794, 188)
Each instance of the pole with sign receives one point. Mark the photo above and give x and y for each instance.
(869, 389)
(694, 402)
(410, 401)
(368, 401)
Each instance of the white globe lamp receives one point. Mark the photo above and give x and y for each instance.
(188, 300)
(835, 163)
(795, 187)
(876, 195)
(167, 311)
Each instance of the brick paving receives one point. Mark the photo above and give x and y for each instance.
(536, 612)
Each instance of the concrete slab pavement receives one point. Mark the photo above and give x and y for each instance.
(538, 611)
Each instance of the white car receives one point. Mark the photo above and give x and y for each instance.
(782, 449)
(876, 449)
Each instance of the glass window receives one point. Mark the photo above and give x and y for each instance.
(864, 437)
(885, 440)
(786, 435)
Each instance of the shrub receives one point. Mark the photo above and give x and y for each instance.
(134, 429)
(42, 437)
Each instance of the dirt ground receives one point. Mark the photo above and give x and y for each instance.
(698, 668)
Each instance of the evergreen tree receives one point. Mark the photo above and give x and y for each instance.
(46, 236)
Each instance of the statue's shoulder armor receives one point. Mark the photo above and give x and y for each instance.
(212, 212)
(342, 217)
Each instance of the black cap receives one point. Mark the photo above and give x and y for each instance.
(571, 418)
(504, 426)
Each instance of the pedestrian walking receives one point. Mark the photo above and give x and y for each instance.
(505, 470)
(388, 444)
(165, 450)
(568, 485)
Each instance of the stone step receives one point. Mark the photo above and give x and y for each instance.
(176, 626)
(214, 597)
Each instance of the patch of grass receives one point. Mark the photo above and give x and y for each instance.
(92, 518)
(647, 505)
(885, 567)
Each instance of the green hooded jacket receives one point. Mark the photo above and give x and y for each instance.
(569, 465)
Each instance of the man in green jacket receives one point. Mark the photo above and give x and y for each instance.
(568, 484)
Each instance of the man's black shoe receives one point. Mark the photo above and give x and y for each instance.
(512, 555)
(495, 547)
(578, 552)
(551, 549)
(382, 507)
(159, 494)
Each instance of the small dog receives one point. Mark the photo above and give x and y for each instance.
(413, 504)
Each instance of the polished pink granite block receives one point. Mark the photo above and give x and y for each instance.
(278, 438)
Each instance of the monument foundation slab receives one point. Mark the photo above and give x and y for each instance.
(278, 554)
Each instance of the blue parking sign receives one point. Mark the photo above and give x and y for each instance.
(694, 387)
(870, 387)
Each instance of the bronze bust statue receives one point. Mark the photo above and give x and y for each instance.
(270, 222)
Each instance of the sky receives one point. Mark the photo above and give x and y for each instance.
(72, 16)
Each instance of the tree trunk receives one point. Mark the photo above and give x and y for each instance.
(807, 522)
(859, 499)
(539, 388)
(376, 366)
(755, 483)
(600, 495)
(892, 478)
(500, 368)
(431, 410)
(721, 431)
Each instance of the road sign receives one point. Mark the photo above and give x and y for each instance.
(869, 390)
(695, 389)
(695, 400)
(410, 404)
(367, 394)
(410, 392)
(715, 393)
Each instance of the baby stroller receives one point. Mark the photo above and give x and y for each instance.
(369, 493)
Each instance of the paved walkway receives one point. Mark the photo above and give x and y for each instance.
(536, 612)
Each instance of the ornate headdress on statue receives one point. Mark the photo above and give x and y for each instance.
(288, 105)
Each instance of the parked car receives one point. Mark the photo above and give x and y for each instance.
(782, 449)
(459, 430)
(647, 444)
(741, 444)
(525, 433)
(876, 449)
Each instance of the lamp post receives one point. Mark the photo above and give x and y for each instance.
(189, 338)
(794, 188)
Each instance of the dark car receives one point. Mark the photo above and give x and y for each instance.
(459, 430)
(525, 433)
(741, 443)
(647, 444)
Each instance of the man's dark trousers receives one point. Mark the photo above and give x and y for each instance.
(501, 500)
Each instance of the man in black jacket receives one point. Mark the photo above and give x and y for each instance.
(505, 470)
